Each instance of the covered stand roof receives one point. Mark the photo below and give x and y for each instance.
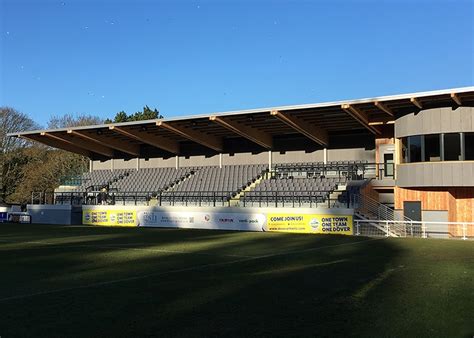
(300, 127)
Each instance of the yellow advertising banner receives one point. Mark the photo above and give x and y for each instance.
(109, 217)
(310, 223)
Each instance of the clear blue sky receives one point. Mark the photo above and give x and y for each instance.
(191, 57)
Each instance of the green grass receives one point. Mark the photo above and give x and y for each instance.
(100, 281)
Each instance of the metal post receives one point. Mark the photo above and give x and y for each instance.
(270, 160)
(220, 160)
(387, 226)
(325, 156)
(357, 228)
(423, 230)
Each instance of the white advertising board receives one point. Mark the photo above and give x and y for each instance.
(202, 220)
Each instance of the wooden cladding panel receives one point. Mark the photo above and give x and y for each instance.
(464, 198)
(430, 199)
(459, 202)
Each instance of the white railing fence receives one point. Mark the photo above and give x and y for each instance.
(387, 228)
(369, 207)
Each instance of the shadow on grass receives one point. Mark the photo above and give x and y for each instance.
(316, 286)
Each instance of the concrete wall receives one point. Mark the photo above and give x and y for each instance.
(435, 121)
(436, 174)
(55, 214)
(351, 154)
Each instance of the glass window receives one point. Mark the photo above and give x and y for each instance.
(432, 148)
(415, 148)
(452, 147)
(404, 150)
(469, 146)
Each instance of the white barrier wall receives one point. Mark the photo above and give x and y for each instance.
(304, 220)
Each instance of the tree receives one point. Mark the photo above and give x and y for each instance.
(28, 167)
(12, 121)
(146, 114)
(11, 148)
(69, 120)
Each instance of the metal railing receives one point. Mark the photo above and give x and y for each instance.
(192, 198)
(370, 207)
(288, 198)
(354, 171)
(415, 229)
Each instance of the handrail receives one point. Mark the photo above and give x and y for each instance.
(423, 229)
(375, 207)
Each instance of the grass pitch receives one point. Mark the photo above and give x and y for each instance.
(100, 281)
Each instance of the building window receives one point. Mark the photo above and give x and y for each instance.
(414, 143)
(432, 148)
(469, 146)
(452, 147)
(405, 150)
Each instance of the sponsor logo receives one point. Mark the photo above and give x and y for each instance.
(314, 224)
(207, 217)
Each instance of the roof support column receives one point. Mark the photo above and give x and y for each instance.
(138, 163)
(177, 162)
(91, 165)
(112, 164)
(220, 160)
(270, 160)
(325, 156)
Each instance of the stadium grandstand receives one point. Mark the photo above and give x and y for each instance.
(406, 159)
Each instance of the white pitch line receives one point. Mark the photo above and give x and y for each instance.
(193, 268)
(123, 246)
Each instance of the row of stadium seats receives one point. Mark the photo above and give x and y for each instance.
(276, 188)
(212, 183)
(226, 179)
(152, 179)
(100, 178)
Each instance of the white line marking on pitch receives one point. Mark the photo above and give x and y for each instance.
(123, 246)
(193, 268)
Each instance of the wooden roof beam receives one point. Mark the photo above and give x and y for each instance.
(153, 140)
(416, 102)
(311, 131)
(261, 138)
(456, 99)
(384, 108)
(204, 139)
(55, 144)
(130, 149)
(361, 117)
(94, 147)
